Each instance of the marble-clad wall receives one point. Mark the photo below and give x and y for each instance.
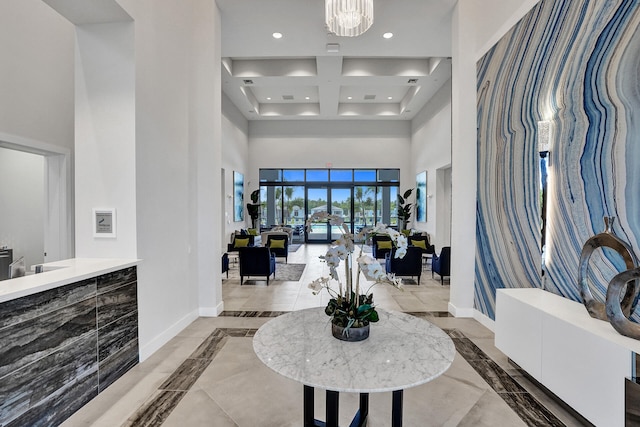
(60, 348)
(574, 63)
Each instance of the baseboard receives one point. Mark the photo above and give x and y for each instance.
(212, 311)
(486, 321)
(164, 337)
(460, 312)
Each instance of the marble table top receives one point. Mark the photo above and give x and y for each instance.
(402, 351)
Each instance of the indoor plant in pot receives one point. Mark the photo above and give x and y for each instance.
(254, 208)
(351, 306)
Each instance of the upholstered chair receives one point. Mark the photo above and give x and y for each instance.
(409, 265)
(225, 263)
(240, 241)
(441, 264)
(381, 244)
(256, 261)
(422, 242)
(279, 245)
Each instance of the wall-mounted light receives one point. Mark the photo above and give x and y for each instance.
(544, 139)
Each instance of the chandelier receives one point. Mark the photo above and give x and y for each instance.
(348, 18)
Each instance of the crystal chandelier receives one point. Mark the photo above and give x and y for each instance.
(348, 18)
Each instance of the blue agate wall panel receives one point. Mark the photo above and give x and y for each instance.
(576, 64)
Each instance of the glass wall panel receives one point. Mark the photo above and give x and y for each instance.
(364, 175)
(341, 175)
(386, 205)
(270, 175)
(363, 197)
(317, 175)
(293, 175)
(388, 175)
(271, 206)
(340, 206)
(317, 199)
(293, 211)
(364, 203)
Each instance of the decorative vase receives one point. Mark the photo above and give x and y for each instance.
(350, 334)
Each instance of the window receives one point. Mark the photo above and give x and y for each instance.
(363, 197)
(341, 175)
(317, 175)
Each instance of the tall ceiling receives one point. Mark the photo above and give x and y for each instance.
(300, 77)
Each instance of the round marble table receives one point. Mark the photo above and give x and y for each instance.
(402, 351)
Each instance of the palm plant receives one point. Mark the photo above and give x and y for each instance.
(404, 210)
(254, 208)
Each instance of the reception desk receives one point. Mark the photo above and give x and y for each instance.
(65, 335)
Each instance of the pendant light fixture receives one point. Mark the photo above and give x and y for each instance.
(348, 18)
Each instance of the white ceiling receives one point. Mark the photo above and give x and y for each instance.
(257, 67)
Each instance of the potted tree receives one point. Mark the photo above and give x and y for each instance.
(254, 208)
(404, 210)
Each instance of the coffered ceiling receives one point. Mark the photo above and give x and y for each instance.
(310, 73)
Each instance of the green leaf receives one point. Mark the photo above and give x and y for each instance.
(407, 193)
(372, 316)
(364, 308)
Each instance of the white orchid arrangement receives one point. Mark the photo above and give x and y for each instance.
(348, 307)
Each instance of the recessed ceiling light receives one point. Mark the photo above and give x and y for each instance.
(389, 97)
(349, 97)
(268, 98)
(387, 35)
(277, 35)
(307, 98)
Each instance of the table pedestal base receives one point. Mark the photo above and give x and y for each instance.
(332, 409)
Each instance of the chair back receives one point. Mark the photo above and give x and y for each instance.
(421, 240)
(254, 260)
(441, 264)
(376, 250)
(409, 265)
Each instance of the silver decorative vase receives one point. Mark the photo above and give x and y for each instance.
(350, 334)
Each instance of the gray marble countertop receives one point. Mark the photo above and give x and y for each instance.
(402, 351)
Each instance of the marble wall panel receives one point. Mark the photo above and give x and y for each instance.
(117, 335)
(59, 407)
(117, 303)
(49, 376)
(573, 63)
(26, 342)
(60, 348)
(111, 281)
(22, 309)
(118, 364)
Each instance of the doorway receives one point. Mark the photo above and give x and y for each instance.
(340, 199)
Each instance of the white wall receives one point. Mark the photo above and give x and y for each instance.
(22, 204)
(36, 76)
(235, 157)
(37, 108)
(430, 151)
(105, 137)
(177, 136)
(343, 144)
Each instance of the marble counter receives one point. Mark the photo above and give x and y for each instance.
(61, 273)
(66, 336)
(402, 351)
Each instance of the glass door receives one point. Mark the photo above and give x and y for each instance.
(341, 206)
(317, 201)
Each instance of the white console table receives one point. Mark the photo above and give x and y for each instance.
(582, 360)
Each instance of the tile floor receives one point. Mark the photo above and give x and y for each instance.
(208, 375)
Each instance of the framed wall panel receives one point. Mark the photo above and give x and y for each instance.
(238, 196)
